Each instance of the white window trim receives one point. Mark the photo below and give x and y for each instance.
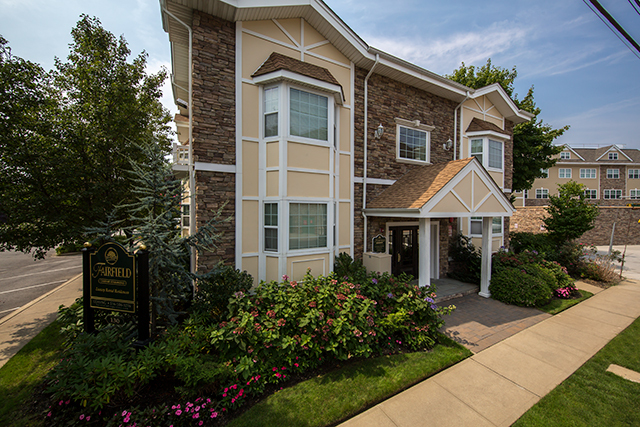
(593, 174)
(329, 228)
(591, 198)
(635, 172)
(613, 155)
(542, 192)
(613, 172)
(637, 194)
(544, 172)
(616, 190)
(500, 234)
(485, 137)
(561, 170)
(565, 155)
(271, 227)
(415, 125)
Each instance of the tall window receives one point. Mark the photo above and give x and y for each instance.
(476, 149)
(564, 173)
(565, 155)
(495, 154)
(271, 227)
(634, 173)
(307, 225)
(587, 173)
(413, 144)
(309, 115)
(613, 173)
(613, 194)
(590, 194)
(271, 112)
(542, 193)
(613, 156)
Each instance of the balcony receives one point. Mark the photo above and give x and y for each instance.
(180, 160)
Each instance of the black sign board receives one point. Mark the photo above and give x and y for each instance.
(113, 279)
(379, 244)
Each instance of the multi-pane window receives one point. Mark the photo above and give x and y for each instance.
(270, 112)
(476, 148)
(634, 194)
(587, 173)
(495, 154)
(309, 115)
(565, 155)
(613, 194)
(613, 156)
(545, 173)
(526, 194)
(271, 227)
(412, 144)
(634, 173)
(564, 173)
(542, 193)
(185, 215)
(590, 194)
(613, 173)
(307, 225)
(475, 225)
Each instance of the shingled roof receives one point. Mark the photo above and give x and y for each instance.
(418, 186)
(478, 125)
(278, 61)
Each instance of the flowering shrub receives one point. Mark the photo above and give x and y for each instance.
(283, 329)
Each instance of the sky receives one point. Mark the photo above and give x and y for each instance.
(583, 75)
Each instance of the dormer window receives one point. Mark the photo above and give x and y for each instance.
(489, 152)
(613, 156)
(565, 155)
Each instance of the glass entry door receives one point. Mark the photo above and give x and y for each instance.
(404, 251)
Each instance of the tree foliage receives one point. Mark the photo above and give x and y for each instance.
(533, 147)
(69, 135)
(570, 213)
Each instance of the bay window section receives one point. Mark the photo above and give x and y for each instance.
(495, 154)
(271, 227)
(270, 111)
(476, 149)
(308, 115)
(307, 225)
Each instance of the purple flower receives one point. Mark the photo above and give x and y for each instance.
(374, 281)
(389, 295)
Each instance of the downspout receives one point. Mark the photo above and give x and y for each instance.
(455, 125)
(191, 166)
(364, 176)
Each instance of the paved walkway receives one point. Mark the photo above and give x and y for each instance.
(22, 325)
(499, 384)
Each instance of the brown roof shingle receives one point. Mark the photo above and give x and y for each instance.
(278, 61)
(418, 186)
(478, 125)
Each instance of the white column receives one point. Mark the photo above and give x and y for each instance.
(485, 275)
(424, 260)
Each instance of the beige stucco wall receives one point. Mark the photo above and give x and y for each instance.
(311, 168)
(250, 265)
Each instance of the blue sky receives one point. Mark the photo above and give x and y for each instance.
(584, 76)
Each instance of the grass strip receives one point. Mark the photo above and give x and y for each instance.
(341, 394)
(591, 396)
(23, 372)
(558, 305)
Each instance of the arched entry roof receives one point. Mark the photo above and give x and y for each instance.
(460, 188)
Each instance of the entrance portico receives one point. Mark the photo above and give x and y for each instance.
(426, 194)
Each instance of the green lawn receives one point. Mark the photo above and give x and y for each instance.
(23, 372)
(339, 395)
(591, 396)
(558, 305)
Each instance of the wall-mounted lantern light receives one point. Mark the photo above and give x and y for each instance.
(379, 131)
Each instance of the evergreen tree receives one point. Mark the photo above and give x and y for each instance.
(570, 213)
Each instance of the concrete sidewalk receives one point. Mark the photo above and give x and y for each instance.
(496, 386)
(22, 325)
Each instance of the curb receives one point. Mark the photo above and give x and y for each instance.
(40, 298)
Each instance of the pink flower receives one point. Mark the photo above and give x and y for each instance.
(49, 414)
(88, 417)
(82, 416)
(214, 414)
(178, 412)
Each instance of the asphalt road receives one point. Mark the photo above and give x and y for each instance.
(22, 279)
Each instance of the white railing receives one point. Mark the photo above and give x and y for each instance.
(180, 154)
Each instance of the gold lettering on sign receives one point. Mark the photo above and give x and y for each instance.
(103, 270)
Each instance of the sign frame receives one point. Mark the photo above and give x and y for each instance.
(112, 274)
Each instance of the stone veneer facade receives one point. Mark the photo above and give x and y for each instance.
(214, 129)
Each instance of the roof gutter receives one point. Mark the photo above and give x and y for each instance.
(364, 174)
(192, 178)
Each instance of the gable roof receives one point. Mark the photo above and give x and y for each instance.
(336, 31)
(278, 61)
(599, 155)
(461, 188)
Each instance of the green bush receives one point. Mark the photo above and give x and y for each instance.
(215, 288)
(525, 241)
(346, 267)
(515, 286)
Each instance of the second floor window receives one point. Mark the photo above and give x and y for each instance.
(634, 173)
(564, 173)
(309, 115)
(545, 173)
(489, 152)
(590, 194)
(613, 194)
(412, 144)
(587, 173)
(613, 173)
(271, 101)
